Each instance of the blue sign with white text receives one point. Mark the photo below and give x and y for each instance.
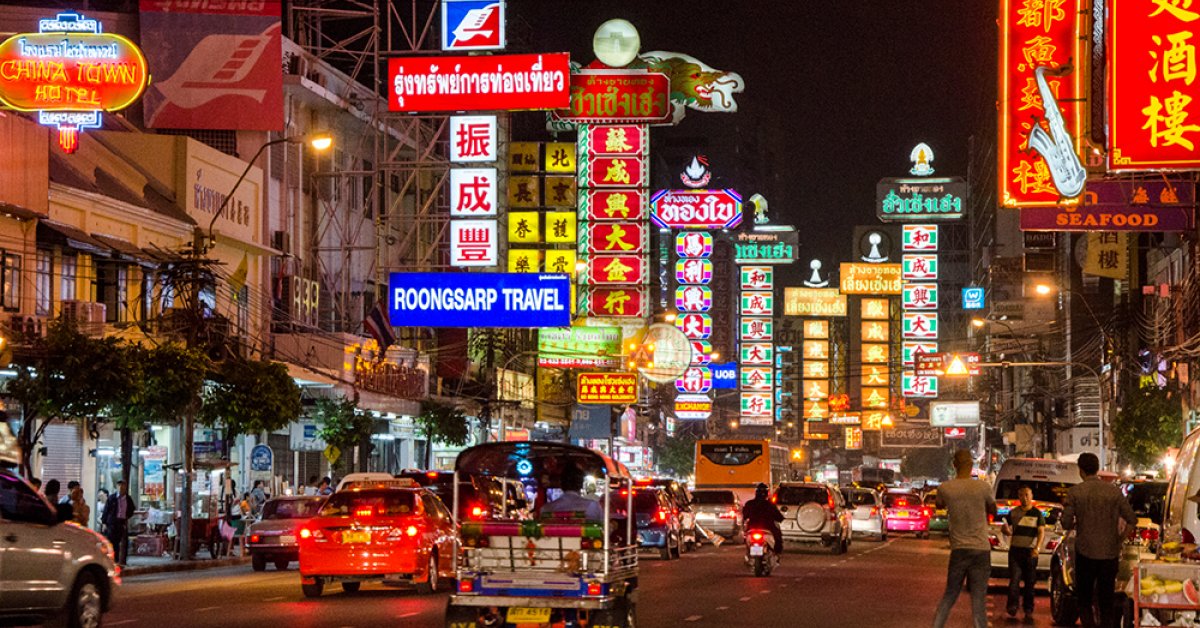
(479, 300)
(473, 25)
(724, 376)
(972, 298)
(261, 458)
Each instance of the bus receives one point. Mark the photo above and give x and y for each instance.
(740, 465)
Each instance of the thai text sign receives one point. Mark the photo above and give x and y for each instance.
(898, 200)
(1037, 34)
(870, 278)
(814, 302)
(579, 347)
(1153, 115)
(696, 209)
(479, 300)
(607, 388)
(1152, 205)
(908, 436)
(606, 96)
(765, 247)
(479, 83)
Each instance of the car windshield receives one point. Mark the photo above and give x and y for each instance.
(1054, 492)
(894, 500)
(1146, 498)
(801, 495)
(291, 508)
(360, 503)
(931, 499)
(645, 501)
(860, 498)
(720, 498)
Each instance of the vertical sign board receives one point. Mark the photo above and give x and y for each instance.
(1153, 109)
(1039, 34)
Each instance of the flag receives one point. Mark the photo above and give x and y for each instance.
(237, 280)
(378, 326)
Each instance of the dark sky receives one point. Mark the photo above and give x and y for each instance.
(837, 93)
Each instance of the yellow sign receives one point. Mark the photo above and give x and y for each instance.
(875, 353)
(816, 350)
(873, 421)
(523, 260)
(523, 191)
(560, 227)
(523, 228)
(874, 375)
(875, 309)
(561, 262)
(813, 302)
(523, 156)
(815, 369)
(870, 278)
(560, 157)
(875, 398)
(816, 410)
(875, 331)
(559, 191)
(816, 389)
(816, 329)
(1107, 255)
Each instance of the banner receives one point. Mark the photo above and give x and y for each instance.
(1148, 205)
(609, 388)
(478, 83)
(216, 65)
(479, 300)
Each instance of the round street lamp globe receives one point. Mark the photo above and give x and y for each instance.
(616, 43)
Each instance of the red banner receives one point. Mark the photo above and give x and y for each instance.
(1036, 33)
(629, 140)
(479, 83)
(629, 204)
(614, 172)
(616, 269)
(616, 237)
(599, 96)
(626, 301)
(1153, 113)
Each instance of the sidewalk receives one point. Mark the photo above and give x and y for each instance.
(142, 565)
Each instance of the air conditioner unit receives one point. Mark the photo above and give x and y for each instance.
(88, 316)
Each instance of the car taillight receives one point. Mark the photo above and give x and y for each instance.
(728, 514)
(466, 585)
(305, 533)
(756, 537)
(411, 531)
(594, 588)
(254, 538)
(1188, 537)
(994, 541)
(315, 534)
(925, 512)
(477, 512)
(874, 510)
(1051, 545)
(363, 512)
(661, 515)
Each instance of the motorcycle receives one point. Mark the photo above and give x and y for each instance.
(760, 552)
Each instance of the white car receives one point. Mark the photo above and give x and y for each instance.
(1049, 480)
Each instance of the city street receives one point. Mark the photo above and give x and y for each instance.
(892, 584)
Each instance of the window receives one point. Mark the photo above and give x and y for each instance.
(147, 295)
(730, 453)
(291, 508)
(19, 502)
(67, 278)
(44, 282)
(12, 281)
(122, 293)
(385, 502)
(792, 495)
(860, 498)
(711, 498)
(243, 310)
(1043, 491)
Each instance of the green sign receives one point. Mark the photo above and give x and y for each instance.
(579, 347)
(757, 329)
(920, 199)
(757, 354)
(766, 246)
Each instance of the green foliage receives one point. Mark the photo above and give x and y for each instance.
(444, 424)
(341, 423)
(1150, 421)
(927, 462)
(678, 456)
(172, 378)
(250, 396)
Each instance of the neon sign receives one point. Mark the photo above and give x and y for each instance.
(69, 72)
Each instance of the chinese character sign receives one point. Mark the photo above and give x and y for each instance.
(1039, 34)
(473, 192)
(473, 243)
(608, 205)
(1153, 116)
(694, 244)
(473, 138)
(693, 271)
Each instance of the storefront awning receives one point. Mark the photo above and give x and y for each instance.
(125, 249)
(308, 377)
(17, 212)
(50, 232)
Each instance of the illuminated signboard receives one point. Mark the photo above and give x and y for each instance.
(691, 407)
(479, 83)
(919, 326)
(757, 277)
(1145, 205)
(757, 329)
(920, 267)
(874, 309)
(690, 298)
(473, 25)
(854, 438)
(757, 405)
(814, 302)
(920, 296)
(1039, 43)
(973, 298)
(697, 379)
(473, 243)
(874, 331)
(816, 329)
(616, 237)
(898, 200)
(696, 326)
(693, 271)
(473, 192)
(757, 304)
(629, 140)
(766, 247)
(872, 279)
(910, 350)
(623, 302)
(694, 244)
(579, 347)
(607, 388)
(757, 378)
(626, 204)
(606, 171)
(615, 96)
(616, 269)
(473, 138)
(757, 354)
(954, 413)
(696, 209)
(919, 386)
(69, 72)
(1153, 113)
(920, 238)
(479, 300)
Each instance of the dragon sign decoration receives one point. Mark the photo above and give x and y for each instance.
(694, 84)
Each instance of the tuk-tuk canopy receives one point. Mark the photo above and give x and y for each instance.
(535, 459)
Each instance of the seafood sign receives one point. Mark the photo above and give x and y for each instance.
(480, 83)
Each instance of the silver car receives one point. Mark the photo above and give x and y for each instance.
(273, 537)
(813, 513)
(869, 517)
(718, 511)
(50, 570)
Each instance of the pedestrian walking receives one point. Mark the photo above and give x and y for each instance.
(1099, 514)
(117, 512)
(1025, 526)
(968, 503)
(80, 511)
(259, 496)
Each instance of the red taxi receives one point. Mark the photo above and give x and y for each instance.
(906, 513)
(387, 533)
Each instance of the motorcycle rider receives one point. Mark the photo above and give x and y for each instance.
(759, 513)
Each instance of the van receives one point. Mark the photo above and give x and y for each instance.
(1049, 480)
(1181, 523)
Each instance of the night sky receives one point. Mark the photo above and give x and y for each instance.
(837, 93)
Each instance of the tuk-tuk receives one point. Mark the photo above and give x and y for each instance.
(559, 566)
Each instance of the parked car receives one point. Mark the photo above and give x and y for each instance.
(938, 520)
(718, 511)
(869, 517)
(813, 513)
(681, 498)
(1147, 497)
(54, 570)
(907, 513)
(1049, 481)
(657, 524)
(273, 538)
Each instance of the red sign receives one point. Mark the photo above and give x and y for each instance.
(1037, 33)
(696, 209)
(614, 172)
(479, 83)
(607, 388)
(616, 237)
(629, 204)
(616, 269)
(956, 432)
(1144, 205)
(629, 140)
(37, 73)
(599, 96)
(1153, 110)
(626, 301)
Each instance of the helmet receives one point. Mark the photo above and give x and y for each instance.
(761, 491)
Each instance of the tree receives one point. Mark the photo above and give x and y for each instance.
(442, 424)
(678, 456)
(1149, 421)
(926, 462)
(342, 424)
(250, 396)
(69, 376)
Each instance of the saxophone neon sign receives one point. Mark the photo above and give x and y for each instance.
(1056, 146)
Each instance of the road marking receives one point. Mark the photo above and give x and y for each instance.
(764, 592)
(722, 608)
(409, 614)
(207, 608)
(694, 618)
(121, 622)
(274, 599)
(745, 599)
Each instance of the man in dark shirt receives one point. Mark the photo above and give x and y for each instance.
(1095, 509)
(759, 513)
(1025, 526)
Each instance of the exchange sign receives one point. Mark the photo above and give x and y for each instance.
(607, 388)
(692, 407)
(479, 300)
(696, 209)
(479, 83)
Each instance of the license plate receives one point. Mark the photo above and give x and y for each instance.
(287, 540)
(902, 514)
(756, 550)
(522, 615)
(356, 536)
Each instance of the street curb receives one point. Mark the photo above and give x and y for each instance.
(194, 565)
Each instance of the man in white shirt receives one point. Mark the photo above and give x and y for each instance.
(571, 500)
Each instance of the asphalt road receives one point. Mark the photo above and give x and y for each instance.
(897, 583)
